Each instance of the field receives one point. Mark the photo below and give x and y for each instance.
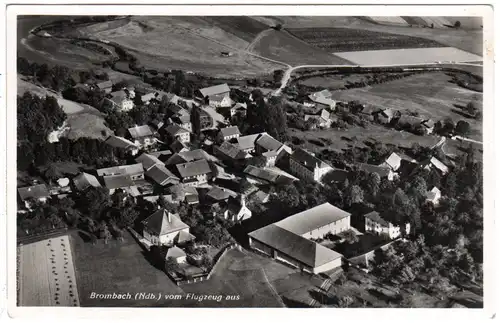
(334, 81)
(345, 39)
(439, 101)
(282, 46)
(393, 20)
(409, 56)
(245, 28)
(46, 274)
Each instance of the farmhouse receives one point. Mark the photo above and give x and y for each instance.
(105, 86)
(176, 132)
(164, 228)
(122, 143)
(29, 194)
(142, 135)
(433, 196)
(375, 224)
(393, 162)
(238, 109)
(306, 166)
(237, 209)
(148, 161)
(178, 146)
(218, 194)
(231, 153)
(383, 171)
(135, 171)
(123, 182)
(216, 96)
(121, 101)
(161, 175)
(84, 181)
(247, 143)
(195, 173)
(322, 120)
(436, 164)
(228, 133)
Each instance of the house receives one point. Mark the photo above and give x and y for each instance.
(176, 132)
(187, 156)
(322, 100)
(122, 143)
(231, 153)
(216, 96)
(228, 133)
(183, 193)
(164, 228)
(161, 175)
(162, 155)
(382, 171)
(226, 54)
(146, 98)
(306, 166)
(433, 196)
(105, 86)
(29, 194)
(385, 116)
(436, 164)
(218, 194)
(177, 254)
(247, 143)
(289, 240)
(323, 120)
(266, 143)
(260, 196)
(148, 161)
(237, 209)
(375, 224)
(135, 171)
(393, 162)
(429, 126)
(210, 118)
(84, 180)
(123, 182)
(238, 109)
(270, 158)
(178, 146)
(184, 121)
(121, 101)
(195, 173)
(142, 136)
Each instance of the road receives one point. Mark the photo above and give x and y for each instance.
(466, 139)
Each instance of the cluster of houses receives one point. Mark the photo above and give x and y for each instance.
(167, 165)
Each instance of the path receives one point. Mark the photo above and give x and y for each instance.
(466, 139)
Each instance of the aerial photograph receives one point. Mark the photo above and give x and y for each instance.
(249, 161)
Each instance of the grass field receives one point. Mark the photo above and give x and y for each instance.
(409, 56)
(441, 100)
(46, 274)
(243, 27)
(282, 46)
(345, 39)
(334, 81)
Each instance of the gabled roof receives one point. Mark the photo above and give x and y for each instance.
(161, 175)
(33, 192)
(383, 171)
(104, 84)
(175, 252)
(261, 173)
(175, 129)
(314, 218)
(429, 123)
(393, 160)
(85, 180)
(307, 160)
(325, 115)
(375, 217)
(304, 250)
(220, 193)
(194, 168)
(119, 142)
(185, 237)
(118, 181)
(267, 142)
(140, 131)
(216, 89)
(239, 106)
(247, 142)
(230, 131)
(180, 191)
(411, 120)
(187, 156)
(324, 101)
(160, 153)
(320, 94)
(178, 146)
(431, 195)
(389, 113)
(163, 222)
(133, 169)
(438, 164)
(148, 161)
(232, 151)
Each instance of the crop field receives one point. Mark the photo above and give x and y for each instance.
(282, 46)
(335, 81)
(243, 27)
(439, 101)
(46, 274)
(391, 20)
(409, 56)
(345, 39)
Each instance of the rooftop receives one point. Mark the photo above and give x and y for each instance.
(140, 131)
(307, 160)
(148, 161)
(230, 131)
(119, 142)
(232, 151)
(175, 129)
(160, 174)
(118, 181)
(220, 193)
(33, 192)
(85, 180)
(175, 252)
(393, 160)
(216, 89)
(194, 168)
(187, 156)
(375, 217)
(439, 164)
(163, 222)
(133, 169)
(247, 142)
(269, 143)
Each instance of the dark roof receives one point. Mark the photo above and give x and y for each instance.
(104, 84)
(175, 129)
(163, 222)
(375, 216)
(160, 153)
(230, 131)
(294, 246)
(160, 174)
(119, 142)
(307, 160)
(140, 131)
(148, 160)
(314, 218)
(33, 192)
(213, 90)
(269, 143)
(383, 171)
(118, 181)
(133, 169)
(187, 156)
(177, 146)
(85, 180)
(232, 151)
(194, 168)
(220, 193)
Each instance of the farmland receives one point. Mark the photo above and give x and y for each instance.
(344, 39)
(46, 274)
(408, 56)
(287, 48)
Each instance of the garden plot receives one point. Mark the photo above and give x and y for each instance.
(409, 56)
(46, 274)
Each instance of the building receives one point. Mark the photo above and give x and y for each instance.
(393, 162)
(383, 171)
(237, 209)
(306, 166)
(436, 164)
(322, 100)
(183, 193)
(217, 194)
(266, 143)
(176, 132)
(29, 194)
(238, 109)
(105, 86)
(216, 96)
(122, 143)
(323, 120)
(386, 116)
(228, 133)
(178, 147)
(121, 101)
(265, 176)
(146, 98)
(184, 121)
(231, 154)
(187, 156)
(429, 126)
(135, 171)
(161, 175)
(375, 224)
(247, 143)
(270, 158)
(177, 254)
(164, 228)
(142, 136)
(195, 173)
(433, 196)
(148, 161)
(123, 182)
(84, 180)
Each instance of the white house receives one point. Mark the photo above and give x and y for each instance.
(177, 254)
(237, 209)
(228, 133)
(238, 108)
(393, 162)
(216, 96)
(374, 223)
(142, 136)
(164, 228)
(38, 193)
(436, 164)
(121, 101)
(306, 166)
(433, 196)
(177, 132)
(195, 173)
(122, 143)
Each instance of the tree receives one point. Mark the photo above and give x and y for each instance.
(462, 128)
(94, 201)
(171, 265)
(345, 301)
(354, 195)
(457, 24)
(206, 262)
(349, 235)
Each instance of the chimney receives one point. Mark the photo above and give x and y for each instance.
(242, 200)
(169, 216)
